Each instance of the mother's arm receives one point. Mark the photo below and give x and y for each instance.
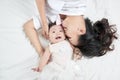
(30, 30)
(41, 8)
(32, 34)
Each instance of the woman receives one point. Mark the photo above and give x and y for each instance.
(96, 41)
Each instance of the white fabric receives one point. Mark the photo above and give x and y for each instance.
(62, 67)
(61, 52)
(38, 24)
(17, 56)
(101, 68)
(66, 7)
(72, 7)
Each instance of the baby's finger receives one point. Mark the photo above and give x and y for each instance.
(35, 69)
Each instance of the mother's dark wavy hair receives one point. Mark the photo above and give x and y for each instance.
(98, 38)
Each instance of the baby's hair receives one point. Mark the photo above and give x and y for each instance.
(51, 24)
(98, 38)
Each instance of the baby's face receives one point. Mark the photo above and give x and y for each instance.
(56, 34)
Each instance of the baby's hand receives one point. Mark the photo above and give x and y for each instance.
(37, 69)
(77, 54)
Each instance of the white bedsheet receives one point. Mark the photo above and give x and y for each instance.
(17, 56)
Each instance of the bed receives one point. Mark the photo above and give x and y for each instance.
(17, 56)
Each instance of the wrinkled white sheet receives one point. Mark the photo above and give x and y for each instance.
(17, 56)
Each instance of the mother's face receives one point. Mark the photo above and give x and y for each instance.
(74, 26)
(71, 34)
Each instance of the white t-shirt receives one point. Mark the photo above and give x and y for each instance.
(56, 7)
(66, 7)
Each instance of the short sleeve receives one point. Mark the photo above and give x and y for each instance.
(36, 22)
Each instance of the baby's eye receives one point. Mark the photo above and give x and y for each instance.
(61, 30)
(53, 31)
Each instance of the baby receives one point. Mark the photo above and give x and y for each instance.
(60, 51)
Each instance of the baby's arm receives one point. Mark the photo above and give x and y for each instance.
(76, 53)
(41, 8)
(43, 61)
